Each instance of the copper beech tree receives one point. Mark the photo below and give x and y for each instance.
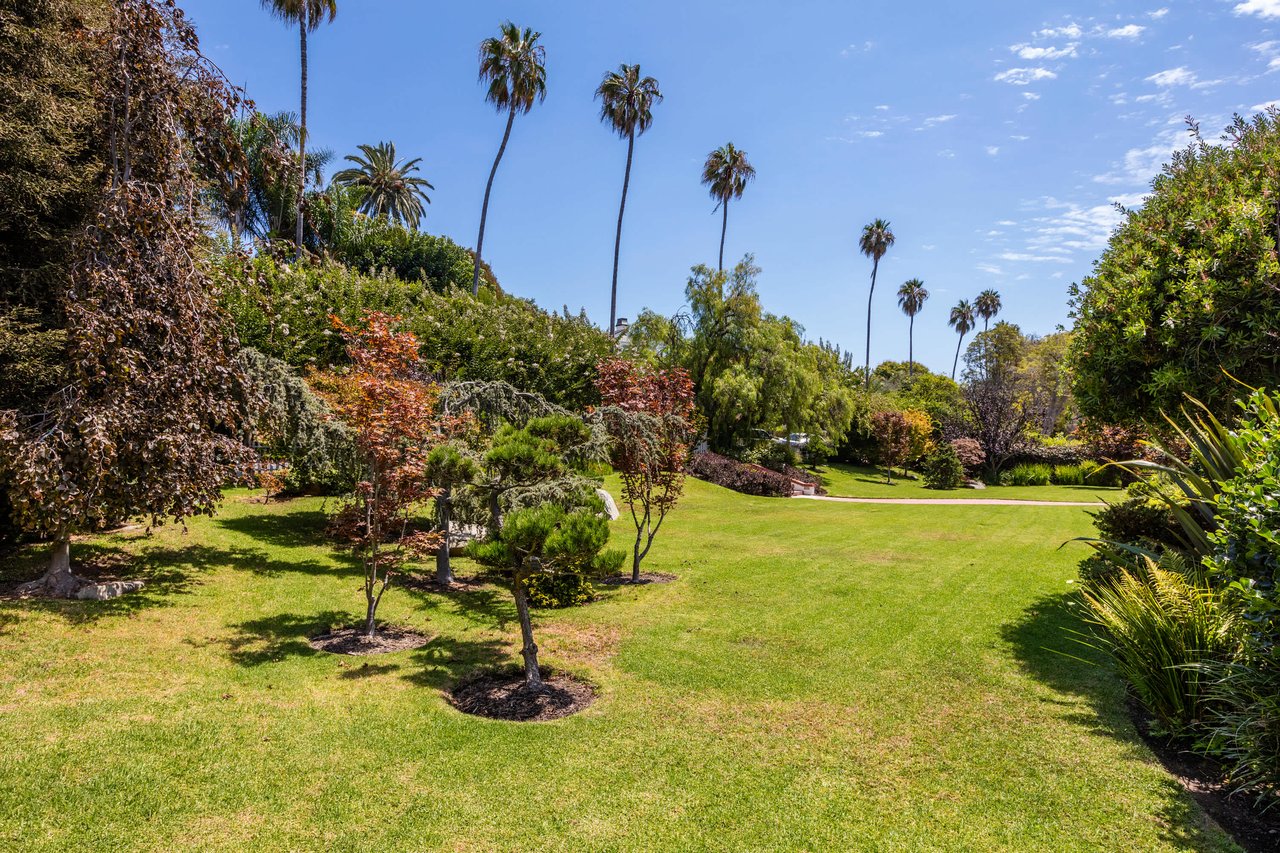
(145, 419)
(650, 418)
(391, 412)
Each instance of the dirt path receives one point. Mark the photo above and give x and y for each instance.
(946, 501)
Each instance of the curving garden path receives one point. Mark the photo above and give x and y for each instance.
(944, 501)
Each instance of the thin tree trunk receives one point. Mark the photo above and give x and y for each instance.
(444, 569)
(617, 240)
(636, 554)
(956, 362)
(911, 347)
(371, 609)
(875, 266)
(532, 677)
(724, 226)
(484, 209)
(302, 131)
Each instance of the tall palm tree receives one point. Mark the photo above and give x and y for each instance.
(515, 67)
(386, 186)
(726, 173)
(626, 105)
(875, 241)
(911, 298)
(308, 15)
(962, 321)
(987, 305)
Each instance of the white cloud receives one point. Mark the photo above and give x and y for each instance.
(1017, 137)
(1264, 106)
(1031, 96)
(864, 47)
(882, 107)
(1140, 165)
(1026, 51)
(1071, 31)
(947, 153)
(1128, 31)
(1261, 8)
(931, 121)
(870, 134)
(1025, 257)
(1024, 76)
(1158, 13)
(990, 269)
(1006, 222)
(993, 150)
(1179, 76)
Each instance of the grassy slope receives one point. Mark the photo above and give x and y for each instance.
(851, 481)
(822, 676)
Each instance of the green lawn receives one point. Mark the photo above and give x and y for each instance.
(822, 676)
(852, 481)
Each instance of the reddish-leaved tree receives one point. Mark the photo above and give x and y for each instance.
(391, 412)
(893, 439)
(650, 418)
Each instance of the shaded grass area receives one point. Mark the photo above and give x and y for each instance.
(820, 676)
(853, 481)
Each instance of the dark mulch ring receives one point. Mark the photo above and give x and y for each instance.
(352, 641)
(502, 695)
(645, 577)
(1254, 830)
(428, 583)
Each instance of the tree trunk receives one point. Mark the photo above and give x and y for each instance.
(875, 266)
(370, 626)
(617, 240)
(956, 362)
(302, 130)
(532, 677)
(484, 209)
(724, 226)
(636, 557)
(444, 570)
(58, 579)
(911, 347)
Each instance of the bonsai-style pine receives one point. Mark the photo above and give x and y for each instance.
(649, 415)
(555, 522)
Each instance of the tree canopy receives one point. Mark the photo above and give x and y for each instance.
(1188, 289)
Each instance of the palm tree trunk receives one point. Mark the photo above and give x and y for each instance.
(911, 347)
(956, 361)
(723, 228)
(875, 266)
(617, 240)
(302, 130)
(484, 210)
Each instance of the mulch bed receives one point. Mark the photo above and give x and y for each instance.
(427, 583)
(645, 577)
(352, 641)
(1254, 830)
(502, 695)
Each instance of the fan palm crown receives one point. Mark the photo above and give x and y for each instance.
(911, 298)
(874, 242)
(962, 320)
(514, 66)
(387, 186)
(726, 174)
(987, 306)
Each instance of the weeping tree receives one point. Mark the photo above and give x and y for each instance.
(145, 418)
(650, 418)
(553, 521)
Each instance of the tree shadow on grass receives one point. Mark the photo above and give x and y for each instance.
(443, 661)
(271, 639)
(301, 528)
(166, 572)
(1043, 642)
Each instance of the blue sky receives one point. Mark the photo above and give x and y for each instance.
(994, 136)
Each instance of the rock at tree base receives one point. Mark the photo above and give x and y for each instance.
(107, 591)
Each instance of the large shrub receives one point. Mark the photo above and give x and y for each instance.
(1186, 290)
(739, 476)
(942, 469)
(283, 310)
